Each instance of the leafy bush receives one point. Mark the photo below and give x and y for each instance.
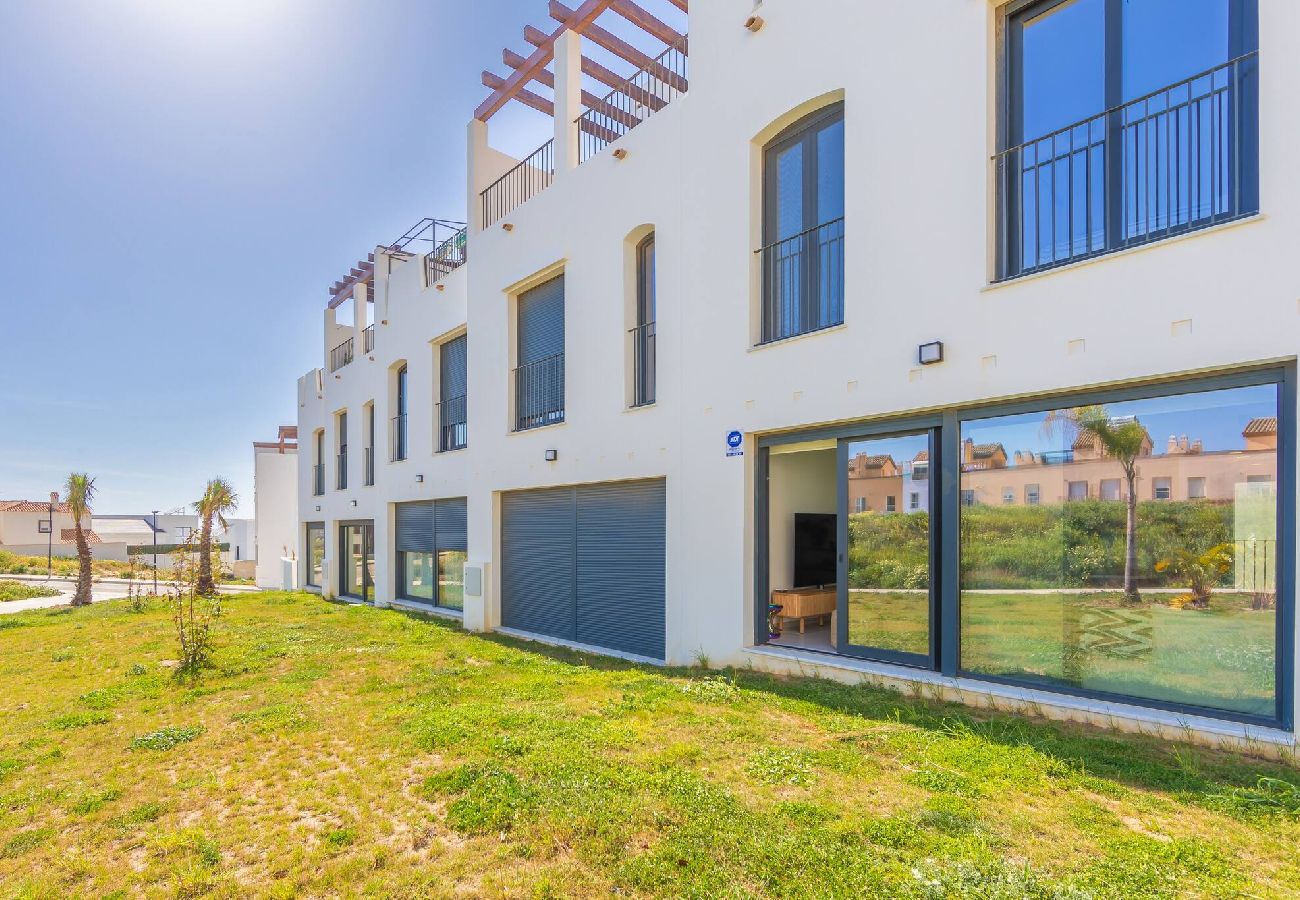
(167, 738)
(17, 590)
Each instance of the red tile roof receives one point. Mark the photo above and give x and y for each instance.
(32, 506)
(1262, 425)
(69, 536)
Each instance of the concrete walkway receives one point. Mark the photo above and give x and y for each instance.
(100, 590)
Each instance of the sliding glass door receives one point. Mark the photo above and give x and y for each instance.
(357, 560)
(886, 592)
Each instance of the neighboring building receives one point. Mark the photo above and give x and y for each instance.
(138, 531)
(275, 502)
(26, 530)
(595, 413)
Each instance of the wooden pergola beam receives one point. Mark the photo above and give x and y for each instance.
(570, 19)
(542, 105)
(649, 23)
(680, 4)
(579, 19)
(605, 76)
(590, 100)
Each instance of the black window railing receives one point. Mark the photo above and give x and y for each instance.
(452, 429)
(643, 364)
(341, 355)
(318, 479)
(530, 177)
(539, 393)
(803, 282)
(341, 471)
(631, 103)
(448, 256)
(368, 339)
(397, 437)
(369, 466)
(1174, 161)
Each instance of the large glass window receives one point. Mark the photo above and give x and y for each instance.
(418, 576)
(643, 335)
(397, 437)
(802, 260)
(1130, 590)
(357, 560)
(451, 579)
(315, 552)
(1126, 121)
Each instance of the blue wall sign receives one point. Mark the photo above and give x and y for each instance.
(734, 441)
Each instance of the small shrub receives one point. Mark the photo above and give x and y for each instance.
(714, 689)
(18, 590)
(167, 738)
(340, 838)
(78, 720)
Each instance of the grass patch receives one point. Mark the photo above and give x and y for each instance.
(353, 751)
(21, 590)
(167, 738)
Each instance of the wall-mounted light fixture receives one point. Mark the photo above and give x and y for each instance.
(506, 226)
(440, 287)
(318, 508)
(620, 153)
(929, 354)
(419, 479)
(552, 455)
(754, 23)
(354, 503)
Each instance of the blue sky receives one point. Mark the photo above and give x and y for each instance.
(180, 182)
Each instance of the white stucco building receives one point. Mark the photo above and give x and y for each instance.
(275, 502)
(625, 404)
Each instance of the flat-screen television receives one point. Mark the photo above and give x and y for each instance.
(814, 549)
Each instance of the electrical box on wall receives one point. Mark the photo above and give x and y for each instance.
(474, 581)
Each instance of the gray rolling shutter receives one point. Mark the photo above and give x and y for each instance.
(541, 321)
(414, 523)
(453, 360)
(537, 548)
(449, 525)
(620, 572)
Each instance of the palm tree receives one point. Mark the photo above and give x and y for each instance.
(80, 491)
(217, 500)
(1123, 441)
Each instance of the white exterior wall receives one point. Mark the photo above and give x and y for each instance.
(275, 504)
(920, 214)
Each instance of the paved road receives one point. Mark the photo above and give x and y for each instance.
(99, 591)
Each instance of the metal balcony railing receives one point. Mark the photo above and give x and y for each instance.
(631, 103)
(530, 177)
(397, 437)
(318, 479)
(369, 460)
(452, 430)
(368, 339)
(803, 282)
(448, 256)
(341, 355)
(643, 364)
(539, 393)
(341, 471)
(1179, 159)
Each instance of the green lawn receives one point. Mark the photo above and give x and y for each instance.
(21, 590)
(341, 751)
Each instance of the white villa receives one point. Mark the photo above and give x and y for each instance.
(627, 405)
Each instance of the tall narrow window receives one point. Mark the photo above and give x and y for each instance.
(452, 383)
(398, 436)
(1126, 121)
(370, 444)
(643, 335)
(318, 465)
(539, 377)
(802, 260)
(341, 473)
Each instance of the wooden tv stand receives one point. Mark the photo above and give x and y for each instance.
(806, 603)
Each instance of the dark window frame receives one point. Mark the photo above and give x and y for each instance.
(803, 131)
(1243, 46)
(644, 352)
(946, 574)
(307, 576)
(367, 526)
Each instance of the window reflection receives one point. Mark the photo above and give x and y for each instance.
(1127, 549)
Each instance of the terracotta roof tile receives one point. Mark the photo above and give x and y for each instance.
(1262, 425)
(31, 506)
(69, 536)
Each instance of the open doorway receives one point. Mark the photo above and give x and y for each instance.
(802, 556)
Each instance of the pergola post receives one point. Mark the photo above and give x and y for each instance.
(476, 161)
(568, 100)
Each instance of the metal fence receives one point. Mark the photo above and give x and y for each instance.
(368, 339)
(318, 479)
(530, 177)
(803, 282)
(452, 431)
(341, 355)
(397, 437)
(448, 256)
(341, 471)
(643, 364)
(1176, 160)
(631, 103)
(539, 393)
